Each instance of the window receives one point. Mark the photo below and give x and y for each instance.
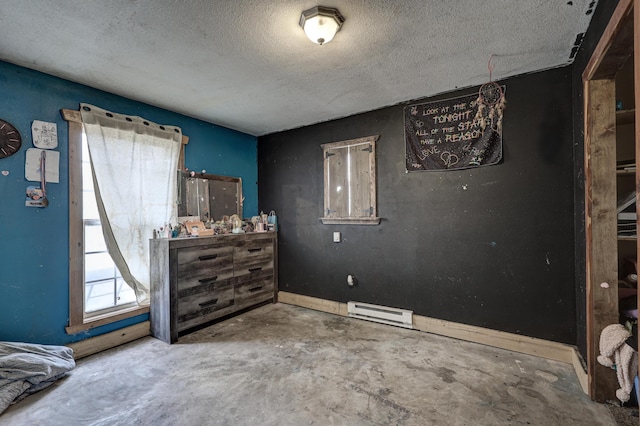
(97, 293)
(104, 288)
(350, 182)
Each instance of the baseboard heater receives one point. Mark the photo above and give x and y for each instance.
(381, 314)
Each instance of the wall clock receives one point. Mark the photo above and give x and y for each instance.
(10, 139)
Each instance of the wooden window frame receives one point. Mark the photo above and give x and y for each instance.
(373, 219)
(78, 321)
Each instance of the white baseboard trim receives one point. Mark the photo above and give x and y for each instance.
(110, 340)
(497, 339)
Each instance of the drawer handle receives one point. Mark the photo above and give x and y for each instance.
(208, 257)
(206, 280)
(252, 290)
(209, 303)
(253, 250)
(255, 269)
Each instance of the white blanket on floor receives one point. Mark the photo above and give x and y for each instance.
(26, 368)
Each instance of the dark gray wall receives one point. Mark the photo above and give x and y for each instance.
(599, 22)
(491, 247)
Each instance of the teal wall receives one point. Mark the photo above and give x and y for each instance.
(34, 242)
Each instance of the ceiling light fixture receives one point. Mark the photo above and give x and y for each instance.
(321, 23)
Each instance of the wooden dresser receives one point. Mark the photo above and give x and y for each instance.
(196, 280)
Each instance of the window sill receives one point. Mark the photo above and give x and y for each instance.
(350, 220)
(101, 320)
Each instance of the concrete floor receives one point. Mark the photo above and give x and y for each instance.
(284, 365)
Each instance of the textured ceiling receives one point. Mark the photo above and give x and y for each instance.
(247, 65)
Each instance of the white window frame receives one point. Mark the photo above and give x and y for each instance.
(366, 179)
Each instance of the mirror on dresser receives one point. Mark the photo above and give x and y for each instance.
(209, 197)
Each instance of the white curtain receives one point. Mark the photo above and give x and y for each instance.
(134, 164)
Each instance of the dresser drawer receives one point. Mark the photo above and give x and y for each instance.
(197, 305)
(256, 266)
(254, 294)
(198, 265)
(255, 287)
(250, 254)
(203, 255)
(204, 277)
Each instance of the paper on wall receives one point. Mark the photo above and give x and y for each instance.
(45, 134)
(32, 165)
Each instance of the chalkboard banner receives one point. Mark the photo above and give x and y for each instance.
(451, 135)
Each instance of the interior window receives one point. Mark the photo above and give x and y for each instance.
(350, 182)
(104, 288)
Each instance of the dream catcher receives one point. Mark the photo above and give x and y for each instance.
(491, 102)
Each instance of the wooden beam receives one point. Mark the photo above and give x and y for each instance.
(71, 115)
(601, 228)
(588, 234)
(613, 48)
(76, 260)
(103, 342)
(75, 116)
(611, 53)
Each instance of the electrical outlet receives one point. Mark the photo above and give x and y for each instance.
(337, 237)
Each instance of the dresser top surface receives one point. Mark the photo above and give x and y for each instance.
(223, 239)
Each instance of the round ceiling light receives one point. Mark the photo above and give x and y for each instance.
(321, 23)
